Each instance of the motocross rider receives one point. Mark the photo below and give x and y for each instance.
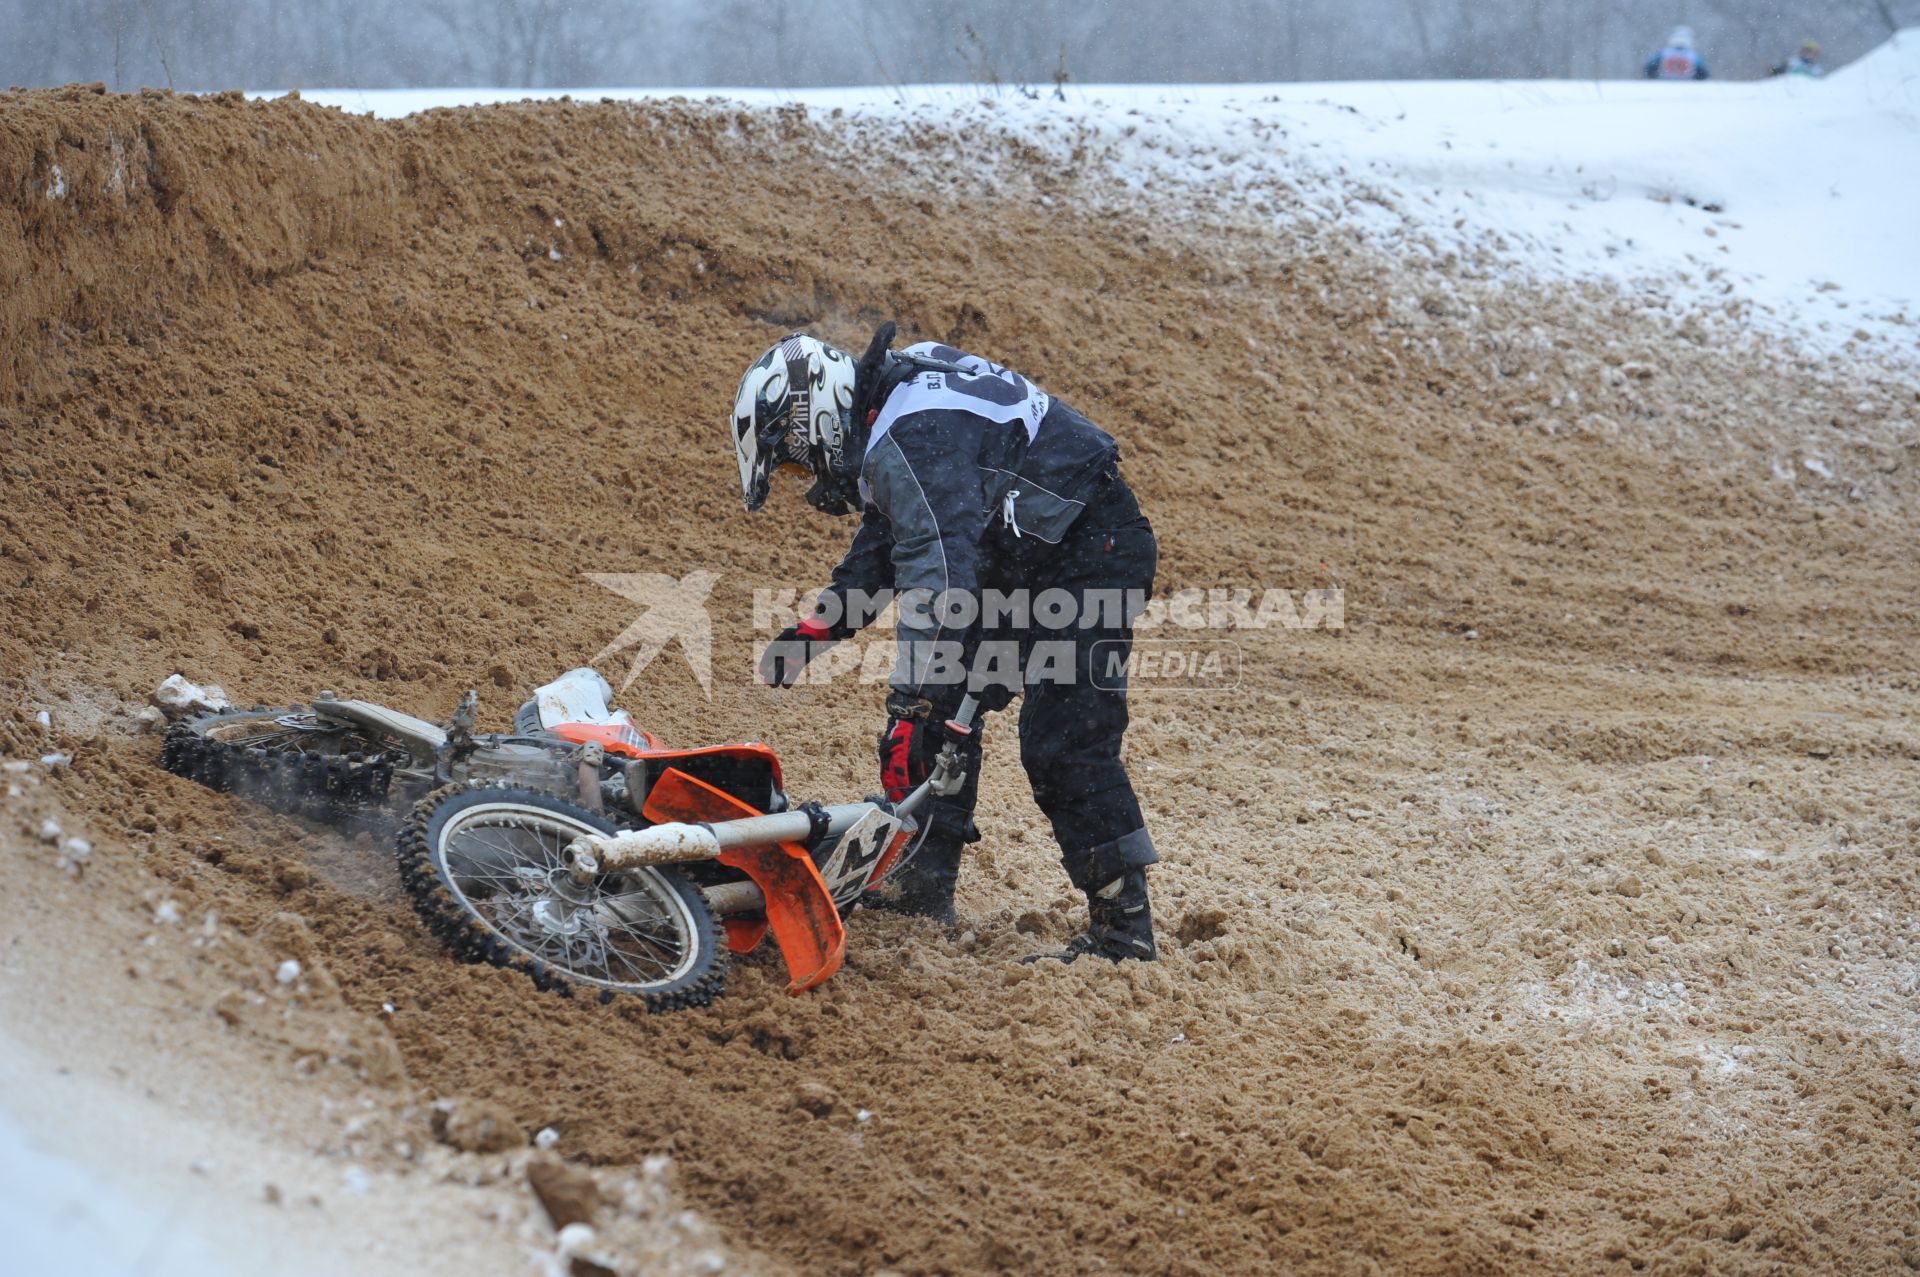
(976, 490)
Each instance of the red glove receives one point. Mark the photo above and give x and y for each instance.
(786, 657)
(906, 747)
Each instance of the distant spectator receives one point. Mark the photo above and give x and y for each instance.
(1806, 62)
(1678, 60)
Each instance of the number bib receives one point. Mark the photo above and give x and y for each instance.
(985, 390)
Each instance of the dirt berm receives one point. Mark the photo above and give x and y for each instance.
(1559, 913)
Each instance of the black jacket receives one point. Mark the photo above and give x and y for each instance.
(958, 471)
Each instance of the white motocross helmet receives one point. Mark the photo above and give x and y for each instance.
(794, 409)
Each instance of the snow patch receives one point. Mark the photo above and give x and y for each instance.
(74, 855)
(178, 695)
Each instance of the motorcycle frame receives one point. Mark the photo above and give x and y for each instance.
(694, 822)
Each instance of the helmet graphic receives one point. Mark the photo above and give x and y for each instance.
(1682, 38)
(794, 408)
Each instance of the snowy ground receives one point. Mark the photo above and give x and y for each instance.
(1797, 196)
(62, 1217)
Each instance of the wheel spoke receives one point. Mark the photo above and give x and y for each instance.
(666, 936)
(506, 853)
(648, 948)
(628, 963)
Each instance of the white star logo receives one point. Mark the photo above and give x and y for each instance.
(674, 609)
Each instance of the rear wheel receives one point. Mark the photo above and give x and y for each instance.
(290, 759)
(485, 870)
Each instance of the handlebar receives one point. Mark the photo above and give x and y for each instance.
(946, 777)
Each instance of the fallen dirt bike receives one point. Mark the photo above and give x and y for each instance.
(576, 847)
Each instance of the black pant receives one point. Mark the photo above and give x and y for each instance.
(1074, 711)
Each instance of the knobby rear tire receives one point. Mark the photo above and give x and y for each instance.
(286, 758)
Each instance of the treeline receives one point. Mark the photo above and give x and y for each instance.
(278, 44)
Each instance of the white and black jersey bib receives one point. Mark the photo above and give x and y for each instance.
(988, 390)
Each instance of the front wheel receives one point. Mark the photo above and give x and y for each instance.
(485, 870)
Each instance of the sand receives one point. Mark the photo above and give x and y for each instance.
(1560, 913)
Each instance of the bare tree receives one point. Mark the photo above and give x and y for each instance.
(211, 44)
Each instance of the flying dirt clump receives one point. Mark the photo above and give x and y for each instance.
(476, 1126)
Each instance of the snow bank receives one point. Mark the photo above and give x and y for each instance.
(57, 1216)
(1794, 194)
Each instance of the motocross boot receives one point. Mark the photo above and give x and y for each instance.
(924, 889)
(1119, 924)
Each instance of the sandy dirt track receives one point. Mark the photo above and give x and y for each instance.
(1559, 914)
